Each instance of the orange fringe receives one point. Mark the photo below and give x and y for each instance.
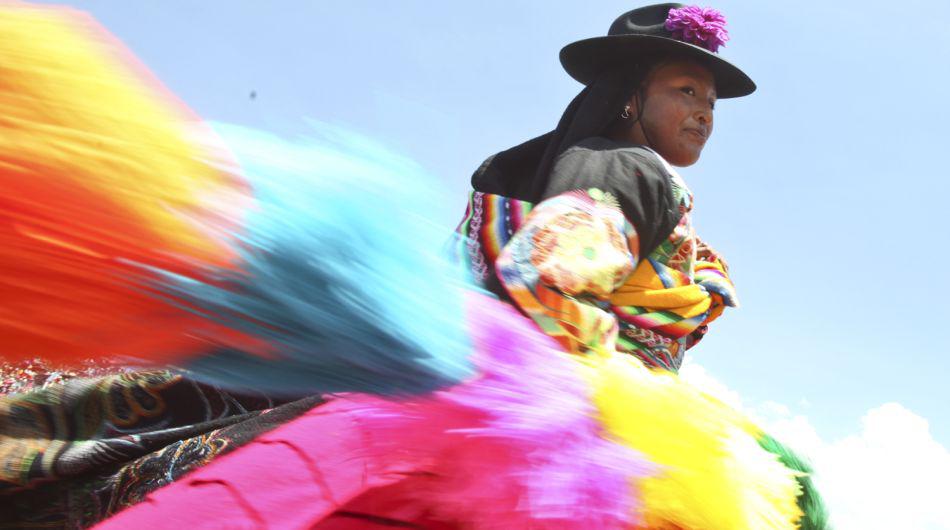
(102, 172)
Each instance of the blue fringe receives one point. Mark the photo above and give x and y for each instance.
(342, 273)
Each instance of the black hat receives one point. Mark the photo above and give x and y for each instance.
(645, 32)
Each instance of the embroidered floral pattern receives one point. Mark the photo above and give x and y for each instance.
(571, 251)
(580, 254)
(678, 252)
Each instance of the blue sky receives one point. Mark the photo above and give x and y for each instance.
(824, 189)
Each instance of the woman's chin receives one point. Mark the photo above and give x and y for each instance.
(682, 158)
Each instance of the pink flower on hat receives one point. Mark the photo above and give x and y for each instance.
(702, 26)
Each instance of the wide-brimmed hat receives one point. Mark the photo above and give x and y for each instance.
(658, 30)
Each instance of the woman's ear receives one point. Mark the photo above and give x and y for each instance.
(631, 107)
(620, 128)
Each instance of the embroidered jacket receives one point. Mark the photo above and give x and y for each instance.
(608, 259)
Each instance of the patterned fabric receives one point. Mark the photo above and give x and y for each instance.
(562, 265)
(37, 374)
(566, 267)
(72, 454)
(488, 224)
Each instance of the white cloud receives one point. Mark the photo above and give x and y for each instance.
(889, 475)
(892, 474)
(700, 378)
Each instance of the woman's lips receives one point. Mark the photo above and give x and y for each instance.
(700, 134)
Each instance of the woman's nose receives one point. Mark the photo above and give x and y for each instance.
(704, 116)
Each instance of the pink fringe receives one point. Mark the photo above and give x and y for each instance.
(537, 407)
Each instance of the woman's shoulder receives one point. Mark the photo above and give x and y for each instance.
(601, 161)
(616, 167)
(639, 178)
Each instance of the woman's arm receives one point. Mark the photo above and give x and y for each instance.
(562, 265)
(605, 206)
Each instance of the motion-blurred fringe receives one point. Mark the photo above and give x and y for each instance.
(713, 473)
(342, 286)
(102, 171)
(538, 406)
(809, 501)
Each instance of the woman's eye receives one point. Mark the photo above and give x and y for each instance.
(712, 104)
(688, 90)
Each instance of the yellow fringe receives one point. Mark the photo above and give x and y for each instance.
(713, 473)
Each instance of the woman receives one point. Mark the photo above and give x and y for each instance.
(607, 265)
(648, 104)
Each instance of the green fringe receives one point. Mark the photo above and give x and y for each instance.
(816, 513)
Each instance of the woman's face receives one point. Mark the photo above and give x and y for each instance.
(677, 114)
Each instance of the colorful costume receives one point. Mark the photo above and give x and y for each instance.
(311, 270)
(576, 267)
